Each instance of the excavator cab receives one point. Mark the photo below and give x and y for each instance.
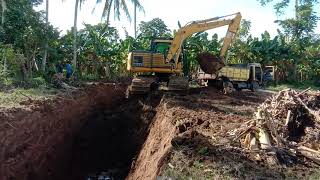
(160, 46)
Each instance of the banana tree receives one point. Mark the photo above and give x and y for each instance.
(99, 46)
(297, 28)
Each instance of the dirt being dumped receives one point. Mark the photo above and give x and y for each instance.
(210, 63)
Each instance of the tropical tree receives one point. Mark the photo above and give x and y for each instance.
(299, 29)
(74, 59)
(74, 30)
(199, 43)
(100, 44)
(44, 60)
(117, 6)
(155, 28)
(135, 19)
(3, 10)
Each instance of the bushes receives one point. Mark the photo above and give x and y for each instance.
(36, 82)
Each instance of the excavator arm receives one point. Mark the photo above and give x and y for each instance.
(203, 25)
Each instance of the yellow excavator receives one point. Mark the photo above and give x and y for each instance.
(163, 63)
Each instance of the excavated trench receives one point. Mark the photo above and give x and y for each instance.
(94, 134)
(110, 139)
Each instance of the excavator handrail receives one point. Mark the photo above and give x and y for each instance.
(210, 19)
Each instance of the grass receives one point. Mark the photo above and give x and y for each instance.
(315, 175)
(14, 97)
(296, 86)
(196, 171)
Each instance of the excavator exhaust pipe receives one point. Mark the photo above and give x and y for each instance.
(210, 63)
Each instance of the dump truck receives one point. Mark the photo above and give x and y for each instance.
(163, 63)
(239, 76)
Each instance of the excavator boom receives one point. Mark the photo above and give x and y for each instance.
(232, 20)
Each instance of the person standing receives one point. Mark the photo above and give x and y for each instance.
(69, 70)
(59, 68)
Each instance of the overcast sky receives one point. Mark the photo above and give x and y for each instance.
(61, 14)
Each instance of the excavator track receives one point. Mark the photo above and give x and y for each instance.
(140, 85)
(178, 83)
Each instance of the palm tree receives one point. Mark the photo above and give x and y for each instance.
(44, 60)
(76, 8)
(135, 20)
(117, 6)
(74, 59)
(4, 8)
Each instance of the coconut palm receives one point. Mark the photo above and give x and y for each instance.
(76, 8)
(44, 60)
(117, 6)
(3, 8)
(74, 59)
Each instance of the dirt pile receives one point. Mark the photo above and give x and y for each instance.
(189, 122)
(200, 136)
(287, 125)
(36, 140)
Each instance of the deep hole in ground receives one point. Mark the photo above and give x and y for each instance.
(110, 139)
(90, 132)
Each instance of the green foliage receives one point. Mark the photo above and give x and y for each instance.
(37, 82)
(154, 28)
(147, 31)
(298, 31)
(22, 37)
(14, 97)
(203, 151)
(102, 54)
(200, 43)
(294, 85)
(117, 6)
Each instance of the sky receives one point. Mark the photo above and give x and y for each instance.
(61, 14)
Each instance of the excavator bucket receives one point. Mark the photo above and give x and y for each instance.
(210, 63)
